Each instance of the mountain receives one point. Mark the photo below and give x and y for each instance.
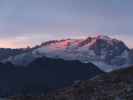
(105, 52)
(42, 75)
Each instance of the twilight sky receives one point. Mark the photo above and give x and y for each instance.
(30, 22)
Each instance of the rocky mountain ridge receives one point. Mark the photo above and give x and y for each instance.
(105, 52)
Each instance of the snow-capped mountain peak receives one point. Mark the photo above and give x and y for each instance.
(104, 37)
(105, 52)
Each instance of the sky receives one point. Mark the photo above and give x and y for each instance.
(30, 22)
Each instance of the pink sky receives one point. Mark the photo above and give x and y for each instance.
(24, 41)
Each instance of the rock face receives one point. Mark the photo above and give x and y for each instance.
(103, 51)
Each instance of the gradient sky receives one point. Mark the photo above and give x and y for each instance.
(30, 22)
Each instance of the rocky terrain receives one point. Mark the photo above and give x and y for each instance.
(116, 85)
(42, 75)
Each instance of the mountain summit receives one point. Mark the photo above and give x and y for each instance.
(105, 52)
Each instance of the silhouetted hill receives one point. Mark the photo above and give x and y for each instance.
(41, 75)
(116, 85)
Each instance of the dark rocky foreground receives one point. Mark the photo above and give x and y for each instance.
(117, 85)
(42, 75)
